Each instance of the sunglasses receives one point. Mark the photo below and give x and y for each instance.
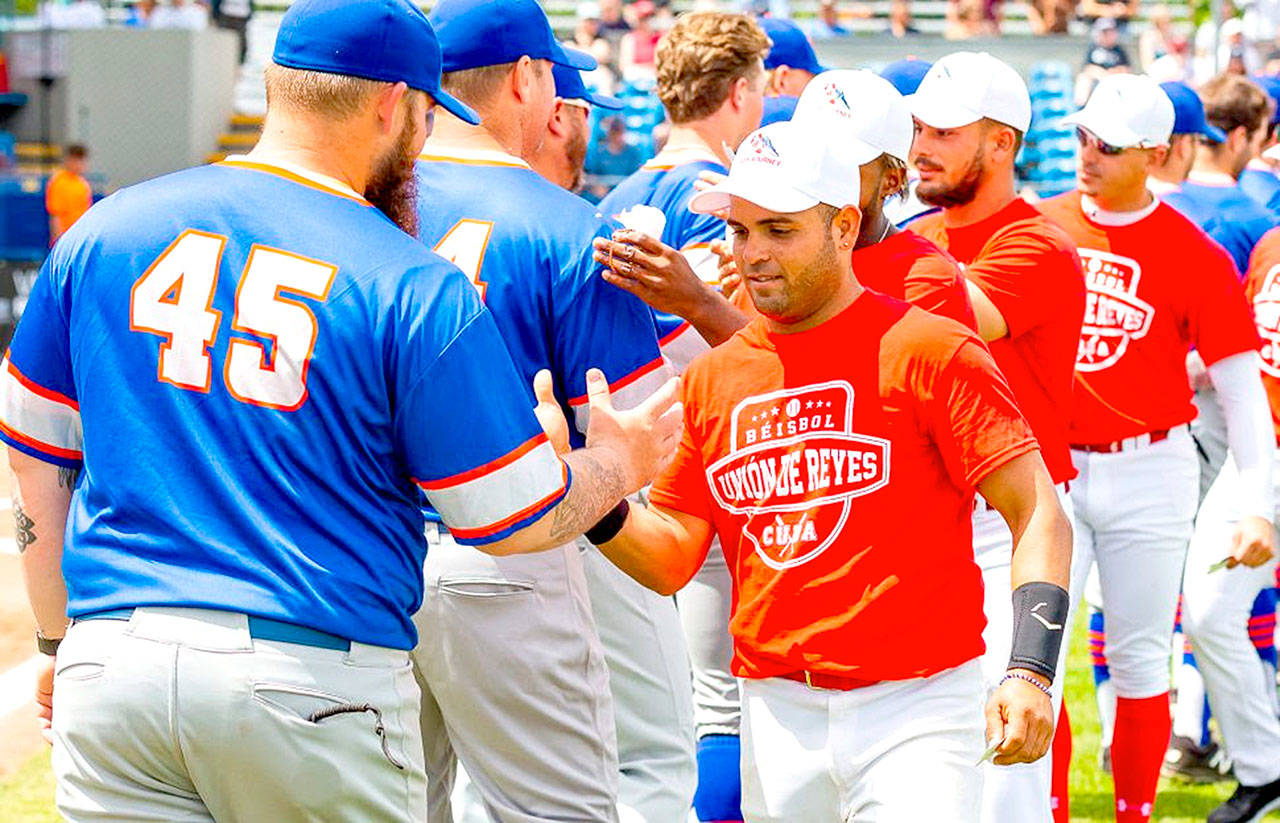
(1087, 138)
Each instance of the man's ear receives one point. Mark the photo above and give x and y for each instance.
(386, 103)
(558, 123)
(846, 225)
(523, 78)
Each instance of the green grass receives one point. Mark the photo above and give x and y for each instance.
(27, 796)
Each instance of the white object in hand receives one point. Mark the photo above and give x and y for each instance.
(644, 219)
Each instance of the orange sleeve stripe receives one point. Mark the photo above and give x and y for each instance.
(506, 522)
(488, 468)
(69, 454)
(36, 388)
(646, 369)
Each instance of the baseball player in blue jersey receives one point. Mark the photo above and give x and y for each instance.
(563, 152)
(711, 111)
(221, 426)
(529, 253)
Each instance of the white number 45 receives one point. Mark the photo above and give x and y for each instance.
(174, 300)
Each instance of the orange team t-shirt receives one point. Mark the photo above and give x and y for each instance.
(842, 487)
(908, 267)
(1027, 266)
(1156, 288)
(1262, 288)
(67, 197)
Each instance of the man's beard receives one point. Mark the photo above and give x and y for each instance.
(961, 193)
(393, 186)
(576, 153)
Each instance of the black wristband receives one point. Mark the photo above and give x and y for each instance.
(1039, 621)
(610, 524)
(47, 645)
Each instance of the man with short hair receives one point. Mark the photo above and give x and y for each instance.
(228, 393)
(556, 755)
(711, 81)
(850, 705)
(1259, 179)
(1157, 287)
(1189, 128)
(791, 62)
(563, 152)
(1024, 279)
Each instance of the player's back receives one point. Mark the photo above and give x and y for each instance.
(526, 245)
(1230, 216)
(244, 346)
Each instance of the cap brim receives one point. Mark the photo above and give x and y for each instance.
(573, 58)
(770, 198)
(940, 113)
(1104, 128)
(603, 101)
(1214, 133)
(456, 107)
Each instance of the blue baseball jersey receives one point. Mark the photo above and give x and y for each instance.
(666, 183)
(1226, 214)
(1263, 185)
(260, 375)
(526, 244)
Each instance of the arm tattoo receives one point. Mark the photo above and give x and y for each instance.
(24, 527)
(67, 477)
(596, 489)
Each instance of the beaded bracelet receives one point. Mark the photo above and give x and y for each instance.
(1028, 678)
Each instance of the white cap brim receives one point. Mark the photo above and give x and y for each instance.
(940, 113)
(1107, 129)
(763, 193)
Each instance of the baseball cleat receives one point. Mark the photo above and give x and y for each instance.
(1190, 763)
(1248, 803)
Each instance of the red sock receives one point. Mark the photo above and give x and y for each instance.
(1141, 737)
(1060, 797)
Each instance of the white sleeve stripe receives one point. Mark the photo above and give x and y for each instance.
(38, 418)
(488, 500)
(627, 397)
(683, 348)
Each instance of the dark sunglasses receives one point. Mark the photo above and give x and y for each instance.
(1088, 138)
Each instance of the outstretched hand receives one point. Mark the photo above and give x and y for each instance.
(645, 436)
(549, 413)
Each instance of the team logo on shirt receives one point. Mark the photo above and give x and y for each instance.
(1113, 314)
(794, 467)
(1266, 315)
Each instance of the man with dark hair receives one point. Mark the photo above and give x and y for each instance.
(68, 194)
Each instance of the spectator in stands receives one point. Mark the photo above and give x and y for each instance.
(1119, 11)
(180, 14)
(638, 46)
(1154, 42)
(973, 18)
(139, 14)
(588, 37)
(1050, 16)
(612, 158)
(827, 23)
(1261, 27)
(900, 21)
(613, 23)
(233, 15)
(1105, 56)
(68, 194)
(1174, 65)
(1230, 39)
(664, 16)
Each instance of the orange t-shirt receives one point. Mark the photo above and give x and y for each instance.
(1027, 266)
(67, 197)
(1262, 288)
(789, 452)
(908, 267)
(1156, 288)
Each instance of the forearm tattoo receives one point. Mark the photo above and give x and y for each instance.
(67, 477)
(596, 489)
(24, 527)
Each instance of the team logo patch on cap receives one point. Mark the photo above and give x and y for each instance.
(760, 149)
(1113, 314)
(836, 100)
(794, 469)
(1266, 314)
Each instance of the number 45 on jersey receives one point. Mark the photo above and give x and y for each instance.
(173, 299)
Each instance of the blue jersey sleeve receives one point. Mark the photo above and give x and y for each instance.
(39, 411)
(600, 326)
(465, 423)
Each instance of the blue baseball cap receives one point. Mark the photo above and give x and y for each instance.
(385, 40)
(1188, 112)
(1271, 85)
(905, 75)
(569, 86)
(778, 109)
(476, 33)
(790, 46)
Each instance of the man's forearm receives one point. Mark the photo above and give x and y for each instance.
(656, 551)
(1042, 552)
(41, 499)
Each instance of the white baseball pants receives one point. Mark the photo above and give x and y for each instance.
(1134, 512)
(897, 752)
(1215, 615)
(652, 702)
(515, 685)
(1022, 791)
(179, 715)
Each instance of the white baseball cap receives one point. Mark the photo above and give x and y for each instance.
(1127, 110)
(787, 168)
(859, 105)
(965, 87)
